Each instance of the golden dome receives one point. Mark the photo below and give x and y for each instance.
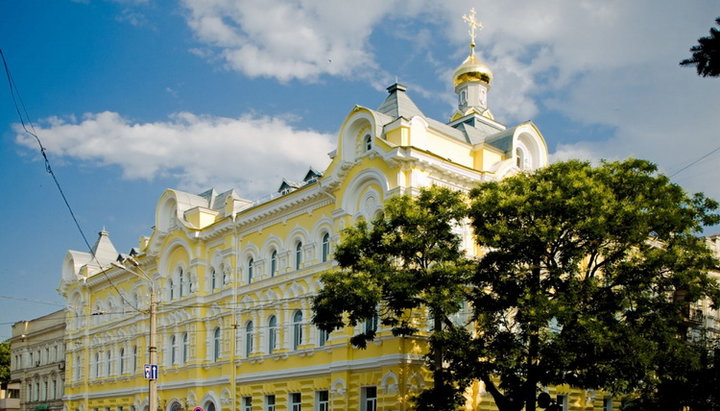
(472, 69)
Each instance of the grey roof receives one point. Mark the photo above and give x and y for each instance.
(398, 104)
(104, 250)
(502, 140)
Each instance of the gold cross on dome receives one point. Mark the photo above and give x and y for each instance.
(473, 25)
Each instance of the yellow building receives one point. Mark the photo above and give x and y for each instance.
(236, 277)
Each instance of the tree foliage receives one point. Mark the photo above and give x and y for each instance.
(586, 279)
(706, 54)
(4, 363)
(407, 262)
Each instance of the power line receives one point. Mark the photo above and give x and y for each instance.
(26, 122)
(708, 154)
(32, 300)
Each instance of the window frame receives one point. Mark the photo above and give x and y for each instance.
(249, 338)
(217, 344)
(272, 334)
(325, 248)
(297, 335)
(298, 255)
(273, 262)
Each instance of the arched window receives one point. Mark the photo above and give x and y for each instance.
(272, 334)
(298, 255)
(210, 406)
(519, 158)
(273, 263)
(297, 329)
(171, 285)
(181, 281)
(213, 278)
(173, 350)
(176, 407)
(325, 247)
(97, 364)
(249, 337)
(216, 344)
(367, 143)
(250, 264)
(134, 358)
(186, 348)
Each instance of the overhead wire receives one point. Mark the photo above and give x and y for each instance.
(706, 155)
(29, 128)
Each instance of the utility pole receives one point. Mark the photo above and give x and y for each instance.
(152, 347)
(152, 382)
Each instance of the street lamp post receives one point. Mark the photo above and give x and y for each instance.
(152, 348)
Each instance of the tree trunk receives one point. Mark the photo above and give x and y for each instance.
(502, 402)
(438, 354)
(533, 347)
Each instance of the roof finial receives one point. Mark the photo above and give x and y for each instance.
(473, 25)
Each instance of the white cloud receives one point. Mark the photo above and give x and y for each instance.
(612, 64)
(289, 40)
(250, 154)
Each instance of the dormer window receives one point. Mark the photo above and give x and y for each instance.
(367, 143)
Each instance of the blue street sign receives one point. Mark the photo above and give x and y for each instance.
(151, 372)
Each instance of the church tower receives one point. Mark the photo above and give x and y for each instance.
(472, 79)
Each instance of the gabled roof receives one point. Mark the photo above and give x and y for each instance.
(287, 185)
(311, 175)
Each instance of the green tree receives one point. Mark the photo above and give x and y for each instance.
(706, 55)
(4, 363)
(404, 264)
(586, 279)
(694, 387)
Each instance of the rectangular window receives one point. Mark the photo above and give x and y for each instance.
(562, 402)
(270, 402)
(321, 401)
(368, 397)
(322, 337)
(607, 404)
(295, 401)
(247, 403)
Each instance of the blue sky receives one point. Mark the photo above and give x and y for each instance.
(132, 97)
